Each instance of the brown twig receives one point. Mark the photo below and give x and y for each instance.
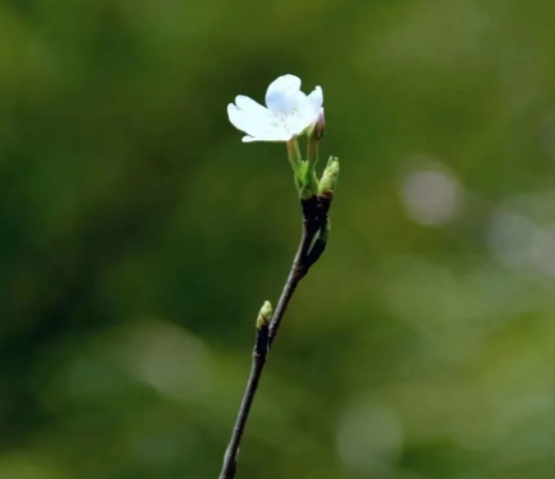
(258, 360)
(315, 218)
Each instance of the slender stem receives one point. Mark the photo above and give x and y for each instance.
(294, 154)
(298, 271)
(312, 151)
(266, 336)
(258, 361)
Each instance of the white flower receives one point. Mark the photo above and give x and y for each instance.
(289, 111)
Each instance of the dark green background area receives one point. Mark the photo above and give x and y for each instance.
(139, 237)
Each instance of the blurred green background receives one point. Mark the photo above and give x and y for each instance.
(139, 238)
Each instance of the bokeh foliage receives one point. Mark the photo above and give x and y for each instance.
(139, 238)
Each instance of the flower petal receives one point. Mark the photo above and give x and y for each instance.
(249, 139)
(308, 112)
(253, 121)
(248, 105)
(237, 117)
(275, 131)
(316, 98)
(284, 82)
(284, 94)
(299, 123)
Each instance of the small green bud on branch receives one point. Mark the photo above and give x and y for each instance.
(264, 316)
(328, 182)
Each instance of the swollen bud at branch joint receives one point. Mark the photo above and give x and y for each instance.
(328, 182)
(264, 316)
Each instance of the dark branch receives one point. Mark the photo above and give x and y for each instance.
(258, 359)
(311, 247)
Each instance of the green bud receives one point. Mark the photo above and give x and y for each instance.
(328, 182)
(264, 316)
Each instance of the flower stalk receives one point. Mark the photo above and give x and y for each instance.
(316, 197)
